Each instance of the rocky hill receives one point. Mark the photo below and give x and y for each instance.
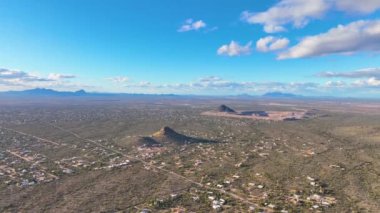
(224, 108)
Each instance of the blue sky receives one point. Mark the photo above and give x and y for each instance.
(314, 47)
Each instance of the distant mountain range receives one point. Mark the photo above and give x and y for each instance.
(50, 93)
(280, 95)
(44, 92)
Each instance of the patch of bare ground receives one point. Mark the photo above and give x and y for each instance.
(269, 116)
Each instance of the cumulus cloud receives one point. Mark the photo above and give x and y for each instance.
(368, 77)
(217, 85)
(17, 79)
(126, 82)
(271, 43)
(370, 82)
(15, 76)
(358, 79)
(214, 82)
(58, 76)
(235, 49)
(141, 84)
(119, 79)
(191, 25)
(295, 12)
(343, 39)
(373, 82)
(211, 79)
(300, 12)
(362, 6)
(214, 85)
(362, 73)
(335, 84)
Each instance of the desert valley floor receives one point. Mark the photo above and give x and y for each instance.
(171, 156)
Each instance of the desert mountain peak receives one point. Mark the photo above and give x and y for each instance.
(166, 132)
(224, 108)
(147, 142)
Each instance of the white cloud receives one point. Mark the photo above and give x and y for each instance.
(300, 12)
(217, 85)
(359, 80)
(210, 79)
(119, 79)
(274, 29)
(362, 6)
(271, 43)
(295, 12)
(141, 84)
(15, 79)
(191, 25)
(344, 39)
(214, 85)
(212, 29)
(370, 82)
(362, 73)
(235, 49)
(368, 77)
(126, 82)
(10, 76)
(57, 76)
(214, 82)
(335, 84)
(373, 82)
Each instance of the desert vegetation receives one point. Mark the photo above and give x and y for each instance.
(168, 156)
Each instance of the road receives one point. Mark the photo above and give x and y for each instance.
(27, 160)
(33, 136)
(166, 171)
